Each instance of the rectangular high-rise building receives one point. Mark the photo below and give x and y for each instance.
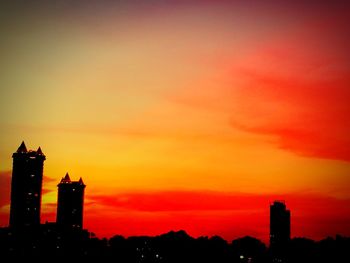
(26, 186)
(279, 224)
(70, 203)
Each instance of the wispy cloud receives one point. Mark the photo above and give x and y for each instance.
(5, 186)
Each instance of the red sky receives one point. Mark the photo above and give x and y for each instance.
(189, 115)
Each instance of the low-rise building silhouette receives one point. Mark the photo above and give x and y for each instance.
(70, 203)
(26, 187)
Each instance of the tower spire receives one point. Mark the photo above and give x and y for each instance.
(81, 181)
(22, 148)
(66, 179)
(39, 151)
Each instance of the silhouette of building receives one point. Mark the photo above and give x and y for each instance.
(26, 185)
(279, 224)
(70, 203)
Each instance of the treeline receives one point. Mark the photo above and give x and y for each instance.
(48, 244)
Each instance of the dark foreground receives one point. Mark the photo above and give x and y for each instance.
(47, 244)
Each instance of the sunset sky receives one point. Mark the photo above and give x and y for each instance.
(189, 115)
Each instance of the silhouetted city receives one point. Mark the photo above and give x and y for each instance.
(66, 239)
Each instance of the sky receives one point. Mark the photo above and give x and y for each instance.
(190, 115)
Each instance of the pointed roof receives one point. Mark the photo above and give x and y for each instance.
(66, 179)
(22, 148)
(39, 151)
(80, 181)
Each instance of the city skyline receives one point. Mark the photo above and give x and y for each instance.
(27, 187)
(25, 206)
(179, 114)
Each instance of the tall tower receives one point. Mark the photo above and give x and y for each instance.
(70, 203)
(26, 185)
(279, 224)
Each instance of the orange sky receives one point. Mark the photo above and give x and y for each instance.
(183, 115)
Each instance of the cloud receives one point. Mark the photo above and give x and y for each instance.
(206, 200)
(292, 89)
(296, 88)
(5, 184)
(173, 201)
(308, 112)
(48, 179)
